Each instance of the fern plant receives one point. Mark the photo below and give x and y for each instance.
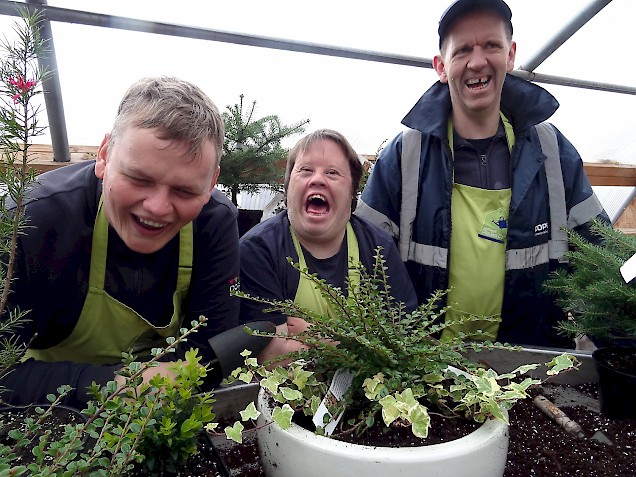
(399, 370)
(593, 290)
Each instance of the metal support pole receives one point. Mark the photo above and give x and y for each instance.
(564, 34)
(53, 92)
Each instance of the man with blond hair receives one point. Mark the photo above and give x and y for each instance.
(120, 252)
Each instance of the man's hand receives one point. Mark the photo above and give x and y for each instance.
(148, 374)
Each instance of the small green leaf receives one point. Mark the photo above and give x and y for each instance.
(283, 416)
(561, 363)
(420, 421)
(250, 412)
(290, 394)
(235, 432)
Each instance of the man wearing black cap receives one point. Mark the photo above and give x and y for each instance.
(479, 191)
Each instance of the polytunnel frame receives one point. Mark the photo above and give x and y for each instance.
(53, 93)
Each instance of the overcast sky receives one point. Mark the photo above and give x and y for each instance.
(366, 101)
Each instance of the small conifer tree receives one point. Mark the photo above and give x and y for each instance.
(593, 291)
(252, 151)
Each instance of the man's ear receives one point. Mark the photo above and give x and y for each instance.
(102, 156)
(511, 57)
(438, 66)
(216, 176)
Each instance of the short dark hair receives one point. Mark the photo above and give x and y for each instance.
(459, 8)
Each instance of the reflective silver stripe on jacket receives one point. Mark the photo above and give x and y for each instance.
(369, 213)
(520, 258)
(558, 243)
(410, 168)
(515, 258)
(585, 211)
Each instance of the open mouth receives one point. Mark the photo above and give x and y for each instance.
(148, 224)
(478, 83)
(317, 204)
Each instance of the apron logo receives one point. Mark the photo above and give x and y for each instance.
(495, 227)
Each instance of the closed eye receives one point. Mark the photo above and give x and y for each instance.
(139, 180)
(185, 192)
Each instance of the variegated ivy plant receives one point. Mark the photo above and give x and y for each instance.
(399, 371)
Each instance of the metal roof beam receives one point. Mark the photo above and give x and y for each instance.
(564, 34)
(131, 24)
(53, 92)
(573, 82)
(66, 15)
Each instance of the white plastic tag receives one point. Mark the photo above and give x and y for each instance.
(339, 385)
(628, 269)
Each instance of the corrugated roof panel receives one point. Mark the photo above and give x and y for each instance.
(614, 199)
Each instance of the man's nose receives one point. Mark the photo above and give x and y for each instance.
(158, 202)
(477, 59)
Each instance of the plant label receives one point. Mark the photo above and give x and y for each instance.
(628, 269)
(340, 383)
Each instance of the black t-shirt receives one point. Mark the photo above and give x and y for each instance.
(332, 269)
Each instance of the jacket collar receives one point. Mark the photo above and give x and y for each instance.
(523, 102)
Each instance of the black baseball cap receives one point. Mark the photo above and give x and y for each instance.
(460, 7)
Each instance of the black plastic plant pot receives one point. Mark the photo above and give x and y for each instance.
(15, 417)
(616, 367)
(214, 455)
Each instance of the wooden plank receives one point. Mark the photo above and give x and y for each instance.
(41, 156)
(606, 174)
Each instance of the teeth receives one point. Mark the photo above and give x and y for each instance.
(476, 81)
(150, 223)
(318, 196)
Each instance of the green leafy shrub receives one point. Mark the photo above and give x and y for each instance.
(400, 371)
(157, 423)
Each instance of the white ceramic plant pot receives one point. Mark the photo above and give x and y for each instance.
(298, 452)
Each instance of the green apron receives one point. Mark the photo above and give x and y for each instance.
(307, 295)
(478, 251)
(107, 327)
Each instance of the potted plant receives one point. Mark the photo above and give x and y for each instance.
(603, 307)
(133, 429)
(381, 368)
(253, 157)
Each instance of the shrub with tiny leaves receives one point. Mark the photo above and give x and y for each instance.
(400, 370)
